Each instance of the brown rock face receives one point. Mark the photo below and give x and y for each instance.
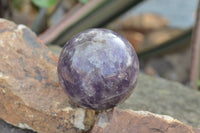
(128, 121)
(30, 96)
(143, 23)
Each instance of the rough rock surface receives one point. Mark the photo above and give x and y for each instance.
(128, 121)
(7, 128)
(161, 96)
(30, 96)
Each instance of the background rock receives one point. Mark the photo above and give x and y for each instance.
(165, 97)
(173, 65)
(158, 37)
(30, 96)
(143, 23)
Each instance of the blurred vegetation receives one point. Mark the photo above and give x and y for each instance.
(84, 1)
(198, 83)
(44, 3)
(56, 21)
(96, 13)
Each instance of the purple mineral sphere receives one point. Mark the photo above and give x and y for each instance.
(98, 69)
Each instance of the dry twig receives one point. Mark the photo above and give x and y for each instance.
(195, 66)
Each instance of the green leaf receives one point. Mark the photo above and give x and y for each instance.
(44, 3)
(198, 83)
(84, 1)
(17, 3)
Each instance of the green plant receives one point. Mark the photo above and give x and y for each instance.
(44, 3)
(198, 83)
(84, 1)
(16, 3)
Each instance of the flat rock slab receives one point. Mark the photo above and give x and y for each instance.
(7, 128)
(30, 96)
(161, 96)
(128, 121)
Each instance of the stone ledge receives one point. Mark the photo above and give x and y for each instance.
(30, 96)
(128, 121)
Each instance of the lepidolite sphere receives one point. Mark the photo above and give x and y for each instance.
(98, 69)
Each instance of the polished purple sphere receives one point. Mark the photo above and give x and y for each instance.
(98, 69)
